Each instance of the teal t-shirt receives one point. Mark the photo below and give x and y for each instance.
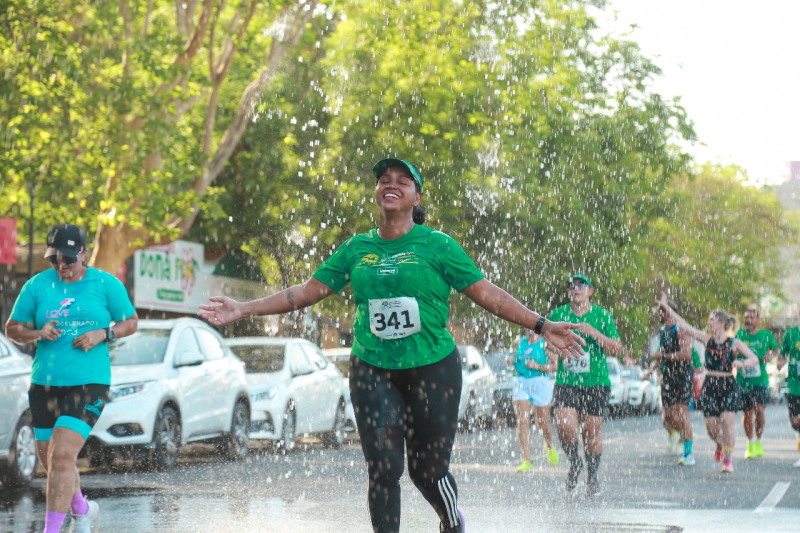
(89, 303)
(790, 349)
(590, 369)
(529, 352)
(761, 342)
(401, 289)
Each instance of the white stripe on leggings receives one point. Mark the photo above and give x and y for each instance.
(449, 496)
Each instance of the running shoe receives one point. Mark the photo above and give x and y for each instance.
(758, 449)
(672, 441)
(679, 448)
(750, 452)
(83, 523)
(592, 488)
(552, 456)
(687, 460)
(727, 467)
(718, 453)
(525, 466)
(572, 475)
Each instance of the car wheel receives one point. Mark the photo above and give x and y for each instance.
(166, 439)
(468, 424)
(237, 443)
(335, 437)
(101, 458)
(21, 462)
(289, 427)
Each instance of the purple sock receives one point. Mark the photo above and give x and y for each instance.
(53, 521)
(79, 505)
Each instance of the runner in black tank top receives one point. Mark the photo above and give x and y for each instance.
(720, 396)
(675, 358)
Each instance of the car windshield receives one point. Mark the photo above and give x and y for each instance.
(261, 358)
(633, 373)
(145, 347)
(497, 361)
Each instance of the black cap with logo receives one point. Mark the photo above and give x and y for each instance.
(65, 239)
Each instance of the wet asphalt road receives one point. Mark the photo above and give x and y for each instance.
(321, 490)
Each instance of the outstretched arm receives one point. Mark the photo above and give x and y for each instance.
(224, 310)
(750, 358)
(698, 334)
(503, 305)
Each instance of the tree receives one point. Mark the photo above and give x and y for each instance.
(123, 115)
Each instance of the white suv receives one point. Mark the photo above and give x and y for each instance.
(477, 389)
(17, 444)
(173, 382)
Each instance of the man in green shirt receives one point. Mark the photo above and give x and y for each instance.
(754, 381)
(790, 353)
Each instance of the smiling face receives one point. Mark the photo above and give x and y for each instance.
(396, 191)
(751, 320)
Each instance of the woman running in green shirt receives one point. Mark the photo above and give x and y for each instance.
(405, 377)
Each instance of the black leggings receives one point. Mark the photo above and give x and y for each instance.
(418, 406)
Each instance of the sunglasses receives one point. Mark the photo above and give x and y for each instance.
(55, 259)
(577, 284)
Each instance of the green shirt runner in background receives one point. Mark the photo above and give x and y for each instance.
(401, 290)
(590, 369)
(762, 342)
(790, 349)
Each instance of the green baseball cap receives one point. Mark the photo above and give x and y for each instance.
(383, 164)
(580, 276)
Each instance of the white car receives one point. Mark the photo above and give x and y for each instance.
(294, 390)
(477, 389)
(641, 394)
(173, 382)
(341, 358)
(618, 396)
(17, 443)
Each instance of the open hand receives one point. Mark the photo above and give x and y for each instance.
(561, 336)
(223, 311)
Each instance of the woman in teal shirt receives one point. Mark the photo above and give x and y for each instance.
(532, 390)
(68, 311)
(405, 377)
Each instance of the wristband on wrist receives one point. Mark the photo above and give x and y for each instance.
(539, 324)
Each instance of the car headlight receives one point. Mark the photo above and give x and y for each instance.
(118, 392)
(267, 394)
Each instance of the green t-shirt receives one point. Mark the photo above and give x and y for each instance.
(696, 362)
(761, 342)
(790, 349)
(401, 289)
(591, 368)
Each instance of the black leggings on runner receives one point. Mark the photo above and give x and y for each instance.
(418, 406)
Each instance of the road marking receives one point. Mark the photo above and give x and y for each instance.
(773, 497)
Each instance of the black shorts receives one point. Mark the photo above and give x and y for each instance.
(794, 405)
(752, 396)
(676, 388)
(720, 395)
(588, 401)
(76, 408)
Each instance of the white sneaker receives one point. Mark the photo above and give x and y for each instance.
(82, 523)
